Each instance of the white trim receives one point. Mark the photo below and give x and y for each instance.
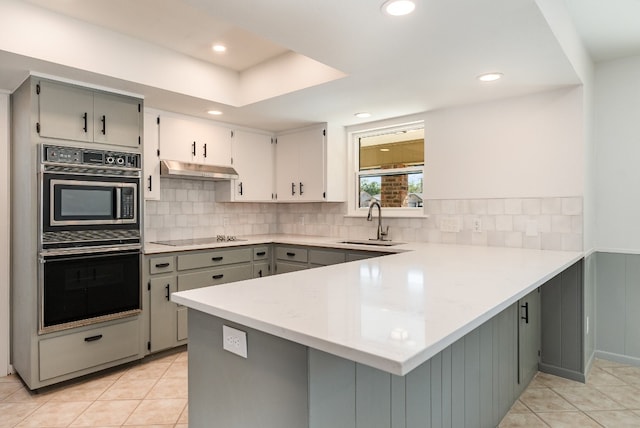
(618, 250)
(85, 84)
(5, 296)
(371, 129)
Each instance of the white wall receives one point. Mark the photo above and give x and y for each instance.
(4, 234)
(617, 139)
(530, 146)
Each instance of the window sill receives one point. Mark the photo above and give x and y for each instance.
(388, 214)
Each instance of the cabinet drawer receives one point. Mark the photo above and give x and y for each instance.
(161, 264)
(214, 258)
(188, 281)
(362, 255)
(325, 258)
(260, 253)
(294, 254)
(284, 267)
(77, 351)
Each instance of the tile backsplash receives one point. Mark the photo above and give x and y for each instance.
(187, 209)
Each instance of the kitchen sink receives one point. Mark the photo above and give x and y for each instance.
(376, 242)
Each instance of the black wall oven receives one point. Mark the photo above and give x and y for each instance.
(90, 236)
(86, 288)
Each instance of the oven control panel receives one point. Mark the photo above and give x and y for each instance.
(76, 156)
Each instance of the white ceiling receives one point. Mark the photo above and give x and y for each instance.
(393, 66)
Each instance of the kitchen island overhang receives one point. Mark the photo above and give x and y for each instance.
(391, 313)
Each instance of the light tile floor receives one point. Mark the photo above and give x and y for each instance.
(153, 394)
(609, 398)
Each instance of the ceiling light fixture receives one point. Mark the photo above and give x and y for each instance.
(215, 112)
(398, 7)
(385, 150)
(362, 115)
(490, 77)
(219, 48)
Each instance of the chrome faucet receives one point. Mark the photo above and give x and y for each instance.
(382, 234)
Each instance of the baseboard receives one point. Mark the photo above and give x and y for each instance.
(618, 358)
(565, 373)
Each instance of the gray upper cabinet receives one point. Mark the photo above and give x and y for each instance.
(73, 113)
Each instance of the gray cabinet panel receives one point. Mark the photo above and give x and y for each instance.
(398, 402)
(285, 267)
(487, 417)
(116, 120)
(189, 281)
(418, 397)
(261, 269)
(76, 351)
(162, 313)
(373, 399)
(292, 254)
(471, 380)
(64, 110)
(528, 338)
(561, 324)
(214, 258)
(332, 391)
(436, 391)
(458, 376)
(326, 257)
(161, 264)
(571, 311)
(269, 389)
(551, 301)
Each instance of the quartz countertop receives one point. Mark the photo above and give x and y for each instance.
(392, 313)
(310, 241)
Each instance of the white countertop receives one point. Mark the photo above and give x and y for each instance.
(392, 313)
(311, 241)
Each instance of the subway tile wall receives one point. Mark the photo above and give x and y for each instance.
(187, 209)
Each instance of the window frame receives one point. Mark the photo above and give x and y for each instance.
(353, 194)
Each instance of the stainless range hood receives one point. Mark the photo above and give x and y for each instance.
(194, 171)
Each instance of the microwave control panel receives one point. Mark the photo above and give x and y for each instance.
(76, 156)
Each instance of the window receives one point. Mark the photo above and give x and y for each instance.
(389, 168)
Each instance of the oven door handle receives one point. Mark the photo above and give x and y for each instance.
(55, 256)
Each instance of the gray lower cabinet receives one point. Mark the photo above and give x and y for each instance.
(562, 330)
(187, 270)
(471, 383)
(529, 326)
(293, 258)
(162, 313)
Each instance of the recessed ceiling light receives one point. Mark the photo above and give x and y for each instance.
(362, 115)
(398, 7)
(490, 77)
(385, 150)
(219, 48)
(215, 112)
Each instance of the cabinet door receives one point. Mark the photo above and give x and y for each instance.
(151, 168)
(215, 144)
(116, 120)
(286, 267)
(287, 154)
(253, 160)
(66, 112)
(529, 328)
(311, 176)
(261, 269)
(178, 139)
(162, 313)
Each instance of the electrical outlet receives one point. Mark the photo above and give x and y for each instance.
(477, 225)
(301, 219)
(531, 228)
(234, 341)
(225, 221)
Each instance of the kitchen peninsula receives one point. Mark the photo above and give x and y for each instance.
(436, 335)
